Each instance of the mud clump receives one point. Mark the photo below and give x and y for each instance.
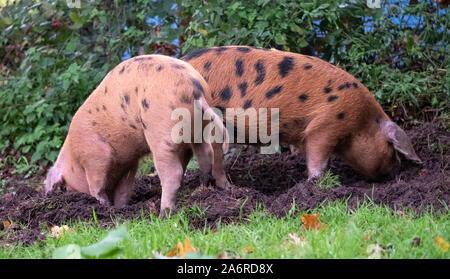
(270, 181)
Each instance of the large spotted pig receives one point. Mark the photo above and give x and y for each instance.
(125, 117)
(323, 109)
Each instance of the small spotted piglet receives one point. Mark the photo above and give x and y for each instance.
(129, 115)
(322, 108)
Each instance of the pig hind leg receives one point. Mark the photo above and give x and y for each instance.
(218, 168)
(170, 167)
(97, 163)
(205, 157)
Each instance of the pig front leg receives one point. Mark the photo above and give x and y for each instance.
(125, 187)
(318, 148)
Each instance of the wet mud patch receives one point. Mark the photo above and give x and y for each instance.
(269, 181)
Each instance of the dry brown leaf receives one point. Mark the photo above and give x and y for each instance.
(222, 256)
(401, 213)
(415, 242)
(310, 222)
(249, 249)
(441, 244)
(181, 249)
(6, 224)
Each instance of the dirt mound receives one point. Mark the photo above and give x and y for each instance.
(272, 181)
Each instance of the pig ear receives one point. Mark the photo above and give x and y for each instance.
(400, 140)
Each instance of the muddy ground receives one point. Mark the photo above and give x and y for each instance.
(272, 181)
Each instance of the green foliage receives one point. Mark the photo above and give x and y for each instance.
(350, 233)
(400, 52)
(106, 248)
(53, 56)
(328, 180)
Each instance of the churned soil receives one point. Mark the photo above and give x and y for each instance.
(271, 181)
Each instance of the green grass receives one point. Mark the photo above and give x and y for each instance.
(328, 180)
(146, 163)
(349, 234)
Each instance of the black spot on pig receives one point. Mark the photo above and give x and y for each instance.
(345, 85)
(195, 54)
(286, 65)
(126, 98)
(272, 92)
(219, 50)
(144, 104)
(226, 93)
(303, 97)
(332, 98)
(247, 104)
(207, 66)
(185, 99)
(132, 126)
(243, 49)
(239, 67)
(243, 88)
(261, 72)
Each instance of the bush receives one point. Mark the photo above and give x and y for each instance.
(54, 56)
(400, 51)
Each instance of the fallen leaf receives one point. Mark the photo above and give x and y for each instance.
(297, 240)
(222, 256)
(57, 231)
(401, 213)
(441, 244)
(6, 224)
(367, 235)
(181, 250)
(415, 242)
(248, 249)
(375, 251)
(172, 252)
(310, 222)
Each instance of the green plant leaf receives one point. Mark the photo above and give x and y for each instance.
(71, 251)
(108, 246)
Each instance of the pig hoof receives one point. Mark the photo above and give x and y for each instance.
(207, 181)
(225, 186)
(313, 180)
(166, 213)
